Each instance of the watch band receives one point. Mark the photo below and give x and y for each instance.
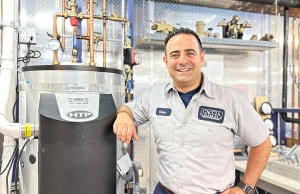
(248, 189)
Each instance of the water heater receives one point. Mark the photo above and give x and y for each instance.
(76, 149)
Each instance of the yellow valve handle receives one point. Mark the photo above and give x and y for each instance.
(27, 130)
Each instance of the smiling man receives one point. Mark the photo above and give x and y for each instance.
(194, 122)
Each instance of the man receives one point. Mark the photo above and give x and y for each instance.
(194, 121)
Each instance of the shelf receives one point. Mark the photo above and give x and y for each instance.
(215, 43)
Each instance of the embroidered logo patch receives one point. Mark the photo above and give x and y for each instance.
(163, 111)
(211, 114)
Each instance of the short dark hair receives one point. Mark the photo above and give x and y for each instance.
(183, 31)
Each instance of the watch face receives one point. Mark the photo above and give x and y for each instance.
(249, 190)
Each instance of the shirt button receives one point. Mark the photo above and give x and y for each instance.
(210, 130)
(183, 144)
(184, 123)
(180, 166)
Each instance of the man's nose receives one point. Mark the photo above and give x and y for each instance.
(183, 60)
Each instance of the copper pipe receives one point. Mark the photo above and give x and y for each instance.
(66, 5)
(74, 30)
(55, 36)
(63, 40)
(104, 31)
(91, 27)
(293, 75)
(83, 37)
(88, 23)
(98, 17)
(298, 81)
(127, 42)
(75, 55)
(128, 97)
(86, 16)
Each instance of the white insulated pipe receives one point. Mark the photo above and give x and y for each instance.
(10, 130)
(7, 68)
(7, 77)
(8, 149)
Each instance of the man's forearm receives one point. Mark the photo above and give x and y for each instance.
(257, 160)
(125, 109)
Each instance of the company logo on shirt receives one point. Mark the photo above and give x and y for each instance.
(163, 111)
(211, 114)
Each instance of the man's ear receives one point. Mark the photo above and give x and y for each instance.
(165, 60)
(202, 54)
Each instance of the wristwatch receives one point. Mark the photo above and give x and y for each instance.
(248, 189)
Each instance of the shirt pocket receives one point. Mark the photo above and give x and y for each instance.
(163, 132)
(212, 141)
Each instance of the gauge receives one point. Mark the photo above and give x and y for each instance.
(269, 123)
(53, 44)
(273, 140)
(266, 108)
(137, 58)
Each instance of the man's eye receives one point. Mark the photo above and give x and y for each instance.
(191, 53)
(174, 55)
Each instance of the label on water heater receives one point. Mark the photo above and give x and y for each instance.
(78, 107)
(22, 107)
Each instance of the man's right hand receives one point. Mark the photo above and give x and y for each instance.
(124, 128)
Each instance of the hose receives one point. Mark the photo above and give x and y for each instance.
(132, 170)
(129, 174)
(136, 179)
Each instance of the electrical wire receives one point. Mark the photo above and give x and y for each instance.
(30, 54)
(17, 166)
(15, 104)
(11, 164)
(11, 158)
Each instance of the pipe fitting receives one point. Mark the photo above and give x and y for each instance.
(75, 55)
(80, 15)
(65, 14)
(55, 63)
(28, 130)
(74, 9)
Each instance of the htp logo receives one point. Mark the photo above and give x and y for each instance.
(79, 114)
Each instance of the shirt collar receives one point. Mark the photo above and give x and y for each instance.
(170, 86)
(206, 87)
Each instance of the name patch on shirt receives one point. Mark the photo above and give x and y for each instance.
(163, 111)
(211, 114)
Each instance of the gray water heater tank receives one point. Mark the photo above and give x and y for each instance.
(76, 150)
